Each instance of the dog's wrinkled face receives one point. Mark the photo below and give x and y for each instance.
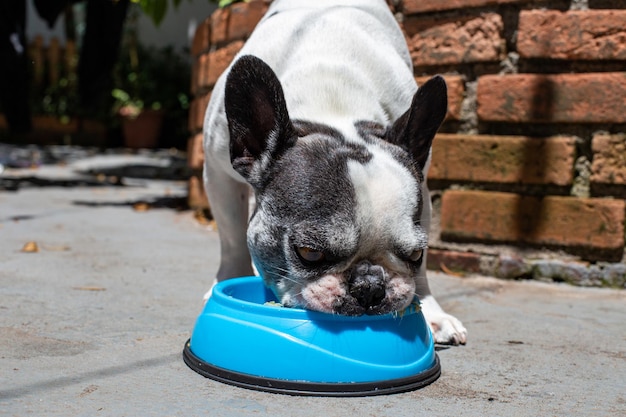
(336, 226)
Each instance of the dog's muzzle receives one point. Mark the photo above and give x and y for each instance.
(367, 284)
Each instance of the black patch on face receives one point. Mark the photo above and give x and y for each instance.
(311, 196)
(353, 151)
(311, 180)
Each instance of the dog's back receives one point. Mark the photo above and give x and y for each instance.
(336, 59)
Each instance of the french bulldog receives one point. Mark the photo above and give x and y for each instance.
(320, 123)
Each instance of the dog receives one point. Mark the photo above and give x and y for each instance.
(320, 123)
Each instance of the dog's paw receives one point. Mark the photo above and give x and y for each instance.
(447, 329)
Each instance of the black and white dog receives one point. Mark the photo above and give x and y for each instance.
(320, 116)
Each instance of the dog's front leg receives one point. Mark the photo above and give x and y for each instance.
(229, 200)
(446, 329)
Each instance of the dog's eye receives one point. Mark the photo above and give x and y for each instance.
(310, 255)
(416, 255)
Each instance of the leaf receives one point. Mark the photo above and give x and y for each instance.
(141, 206)
(202, 218)
(30, 247)
(224, 3)
(155, 9)
(448, 271)
(120, 95)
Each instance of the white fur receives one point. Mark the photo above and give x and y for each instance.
(445, 328)
(354, 60)
(321, 294)
(386, 199)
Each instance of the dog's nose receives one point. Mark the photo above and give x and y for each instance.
(367, 284)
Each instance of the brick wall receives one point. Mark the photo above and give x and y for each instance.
(529, 169)
(216, 41)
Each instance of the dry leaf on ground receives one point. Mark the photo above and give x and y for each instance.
(448, 271)
(141, 206)
(30, 247)
(203, 218)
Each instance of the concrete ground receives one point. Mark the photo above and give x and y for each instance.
(93, 323)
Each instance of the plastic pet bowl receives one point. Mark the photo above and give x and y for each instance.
(240, 340)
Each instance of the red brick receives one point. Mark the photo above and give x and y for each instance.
(195, 152)
(581, 34)
(199, 73)
(455, 40)
(596, 224)
(237, 21)
(219, 25)
(560, 98)
(609, 159)
(503, 159)
(196, 112)
(202, 38)
(421, 6)
(456, 94)
(191, 117)
(218, 61)
(196, 195)
(196, 76)
(244, 18)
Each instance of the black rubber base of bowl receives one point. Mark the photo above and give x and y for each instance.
(280, 386)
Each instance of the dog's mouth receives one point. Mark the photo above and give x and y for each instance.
(352, 307)
(365, 296)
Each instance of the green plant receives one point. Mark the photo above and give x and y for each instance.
(148, 77)
(224, 3)
(157, 9)
(151, 78)
(127, 106)
(58, 99)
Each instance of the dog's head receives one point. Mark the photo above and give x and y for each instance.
(337, 221)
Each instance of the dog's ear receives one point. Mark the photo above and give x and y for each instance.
(415, 129)
(258, 121)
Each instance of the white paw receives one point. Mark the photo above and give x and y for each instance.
(446, 329)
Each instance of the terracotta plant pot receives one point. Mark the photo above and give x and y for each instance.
(144, 130)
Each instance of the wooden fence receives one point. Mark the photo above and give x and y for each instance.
(54, 85)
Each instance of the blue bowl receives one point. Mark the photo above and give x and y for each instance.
(242, 340)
